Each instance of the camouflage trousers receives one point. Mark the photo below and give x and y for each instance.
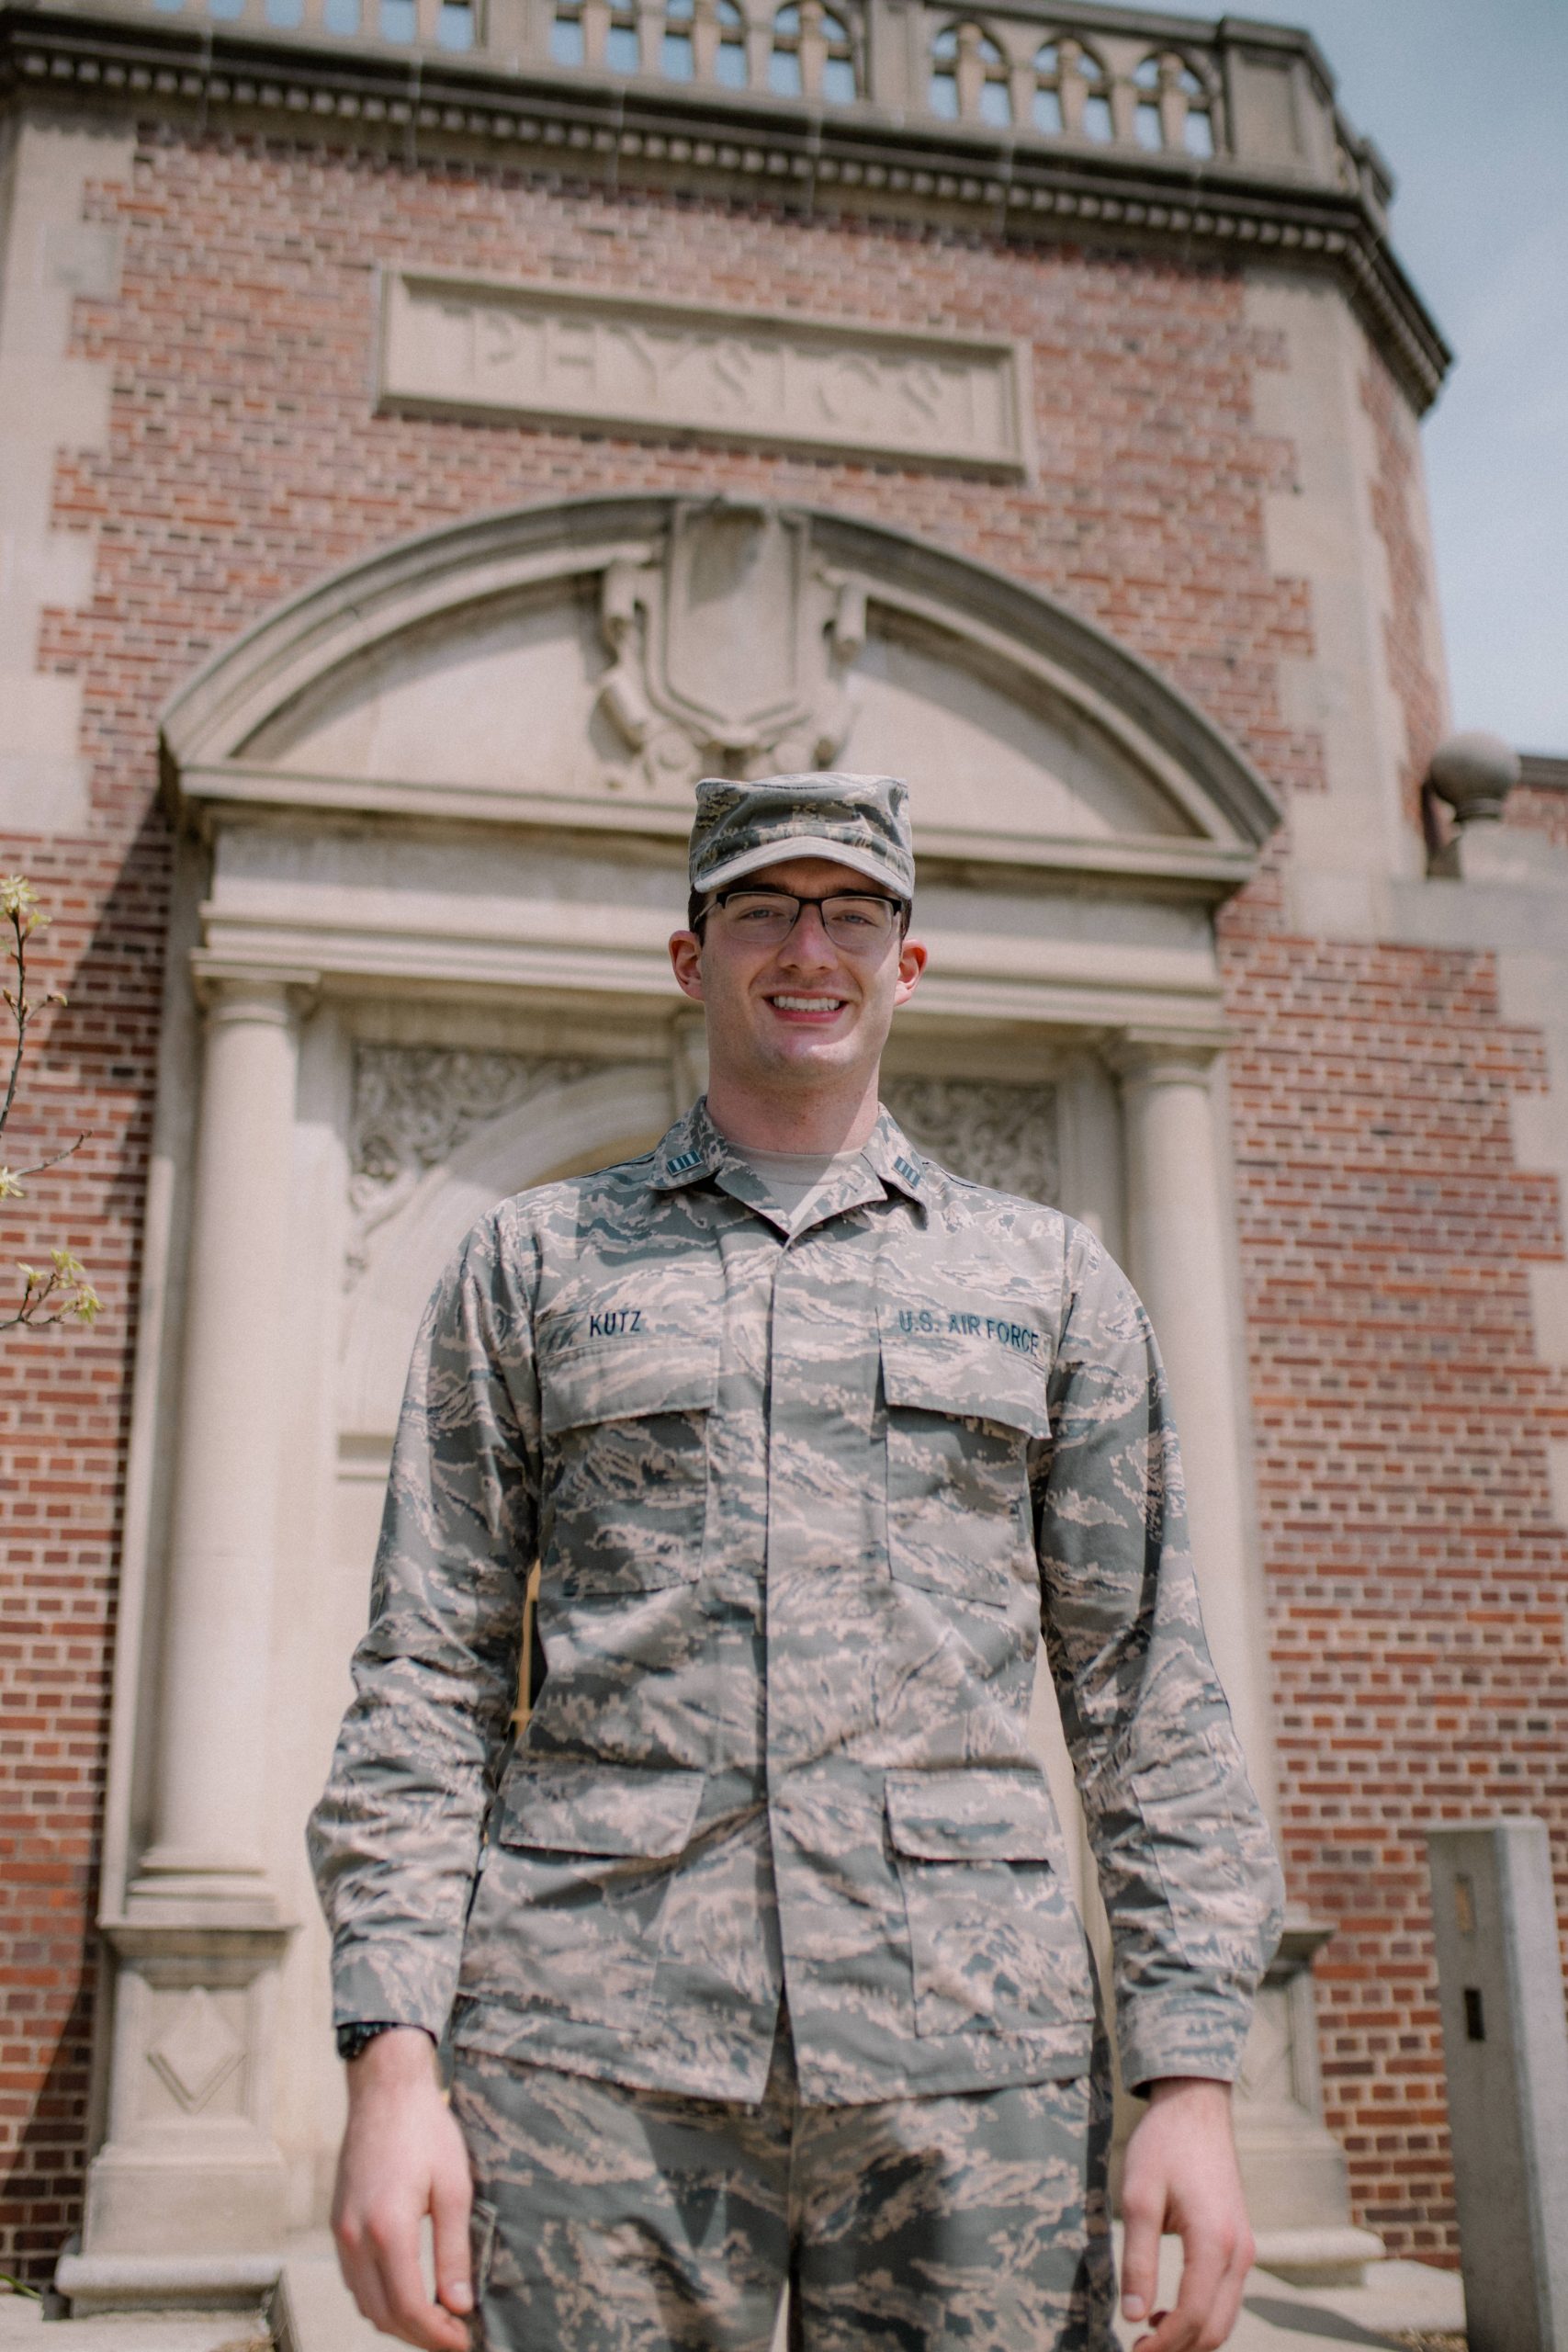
(611, 2219)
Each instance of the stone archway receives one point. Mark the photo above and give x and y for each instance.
(566, 665)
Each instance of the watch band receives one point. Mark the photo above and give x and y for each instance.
(352, 2039)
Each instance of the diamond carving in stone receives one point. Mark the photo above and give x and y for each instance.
(991, 1133)
(413, 1105)
(1267, 2067)
(731, 650)
(196, 2052)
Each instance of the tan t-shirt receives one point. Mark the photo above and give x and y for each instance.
(794, 1178)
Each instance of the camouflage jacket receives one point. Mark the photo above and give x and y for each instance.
(802, 1504)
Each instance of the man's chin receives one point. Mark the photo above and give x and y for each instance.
(802, 1057)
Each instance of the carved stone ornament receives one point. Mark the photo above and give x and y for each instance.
(413, 1105)
(731, 649)
(993, 1134)
(196, 2052)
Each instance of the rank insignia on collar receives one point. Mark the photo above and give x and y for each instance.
(683, 1162)
(910, 1175)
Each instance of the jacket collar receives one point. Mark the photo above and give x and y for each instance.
(694, 1150)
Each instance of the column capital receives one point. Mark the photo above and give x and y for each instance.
(228, 991)
(1165, 1057)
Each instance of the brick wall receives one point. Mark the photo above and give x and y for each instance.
(1399, 1412)
(65, 1411)
(1415, 1578)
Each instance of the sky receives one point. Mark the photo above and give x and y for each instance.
(1468, 105)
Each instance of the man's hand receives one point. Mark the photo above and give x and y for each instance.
(403, 2157)
(1181, 2174)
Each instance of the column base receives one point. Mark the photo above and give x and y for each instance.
(183, 1883)
(186, 2201)
(1333, 2258)
(192, 2196)
(1293, 2170)
(1293, 2166)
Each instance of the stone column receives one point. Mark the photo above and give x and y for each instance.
(185, 2201)
(212, 1713)
(1181, 1254)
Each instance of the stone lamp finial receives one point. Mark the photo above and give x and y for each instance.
(1474, 772)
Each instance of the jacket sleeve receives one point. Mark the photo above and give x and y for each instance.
(1187, 1866)
(394, 1841)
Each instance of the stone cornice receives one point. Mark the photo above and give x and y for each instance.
(428, 101)
(1171, 995)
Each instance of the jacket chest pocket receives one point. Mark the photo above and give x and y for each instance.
(626, 1501)
(566, 1920)
(961, 1411)
(995, 1942)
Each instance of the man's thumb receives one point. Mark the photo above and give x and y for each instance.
(449, 2212)
(1140, 2256)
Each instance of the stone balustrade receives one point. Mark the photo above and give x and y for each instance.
(1082, 79)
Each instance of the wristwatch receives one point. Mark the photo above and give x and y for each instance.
(352, 2039)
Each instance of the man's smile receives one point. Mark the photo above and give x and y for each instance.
(814, 1008)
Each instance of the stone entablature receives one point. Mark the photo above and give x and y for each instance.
(1033, 121)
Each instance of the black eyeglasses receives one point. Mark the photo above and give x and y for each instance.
(860, 922)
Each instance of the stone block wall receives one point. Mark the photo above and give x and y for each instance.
(1402, 1417)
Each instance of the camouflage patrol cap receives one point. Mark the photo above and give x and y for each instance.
(857, 820)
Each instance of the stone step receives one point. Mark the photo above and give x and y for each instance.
(23, 2319)
(312, 2312)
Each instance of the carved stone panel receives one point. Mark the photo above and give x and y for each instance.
(991, 1133)
(455, 344)
(413, 1105)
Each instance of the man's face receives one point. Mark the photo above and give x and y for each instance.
(801, 1012)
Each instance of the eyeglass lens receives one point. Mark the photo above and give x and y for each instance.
(855, 924)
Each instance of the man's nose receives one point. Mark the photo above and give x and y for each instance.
(806, 942)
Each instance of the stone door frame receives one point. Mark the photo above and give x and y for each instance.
(274, 978)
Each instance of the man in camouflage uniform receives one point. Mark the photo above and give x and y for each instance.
(756, 1954)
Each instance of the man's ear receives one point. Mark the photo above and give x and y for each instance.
(911, 964)
(686, 963)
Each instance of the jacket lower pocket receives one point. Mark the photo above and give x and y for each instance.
(995, 1941)
(566, 1920)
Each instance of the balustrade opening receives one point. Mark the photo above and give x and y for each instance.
(813, 55)
(1173, 106)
